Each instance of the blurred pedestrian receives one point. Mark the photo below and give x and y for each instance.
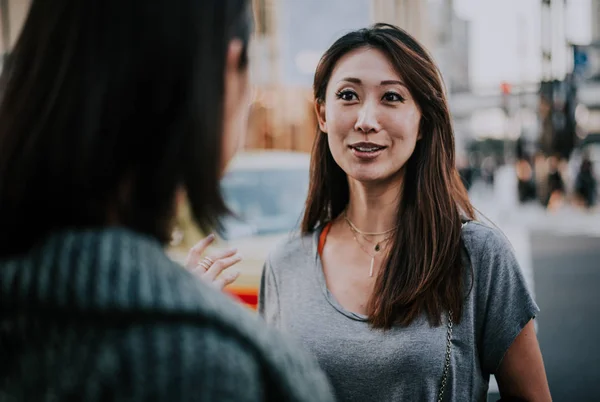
(465, 170)
(488, 171)
(111, 109)
(586, 184)
(556, 185)
(400, 294)
(525, 179)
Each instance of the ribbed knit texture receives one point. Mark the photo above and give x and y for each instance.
(105, 315)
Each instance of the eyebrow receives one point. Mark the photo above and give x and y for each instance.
(392, 82)
(382, 83)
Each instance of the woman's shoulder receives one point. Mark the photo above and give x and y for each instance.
(481, 239)
(491, 254)
(293, 249)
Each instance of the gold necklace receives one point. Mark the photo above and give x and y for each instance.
(377, 247)
(366, 235)
(357, 230)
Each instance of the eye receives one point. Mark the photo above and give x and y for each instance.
(393, 97)
(347, 95)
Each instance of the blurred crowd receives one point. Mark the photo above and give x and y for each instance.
(551, 181)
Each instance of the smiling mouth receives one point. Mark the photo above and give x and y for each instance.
(366, 151)
(366, 147)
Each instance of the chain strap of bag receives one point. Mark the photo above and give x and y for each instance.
(447, 360)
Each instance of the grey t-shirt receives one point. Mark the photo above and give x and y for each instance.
(403, 364)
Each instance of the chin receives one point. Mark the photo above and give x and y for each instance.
(368, 175)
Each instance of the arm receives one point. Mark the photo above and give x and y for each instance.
(505, 311)
(521, 373)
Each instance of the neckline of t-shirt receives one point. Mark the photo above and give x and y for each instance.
(323, 283)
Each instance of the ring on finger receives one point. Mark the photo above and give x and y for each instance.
(206, 263)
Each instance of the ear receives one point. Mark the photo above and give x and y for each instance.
(233, 60)
(235, 77)
(180, 198)
(320, 111)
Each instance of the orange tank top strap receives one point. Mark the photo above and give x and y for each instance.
(323, 238)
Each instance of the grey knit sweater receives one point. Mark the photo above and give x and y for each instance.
(105, 315)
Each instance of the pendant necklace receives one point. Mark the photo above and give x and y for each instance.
(378, 246)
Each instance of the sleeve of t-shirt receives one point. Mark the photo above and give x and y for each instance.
(504, 303)
(268, 296)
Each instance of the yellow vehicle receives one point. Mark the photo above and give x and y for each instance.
(266, 190)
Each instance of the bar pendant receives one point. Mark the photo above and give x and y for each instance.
(372, 264)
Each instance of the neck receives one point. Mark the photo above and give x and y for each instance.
(373, 207)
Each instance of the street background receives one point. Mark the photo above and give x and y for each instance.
(559, 253)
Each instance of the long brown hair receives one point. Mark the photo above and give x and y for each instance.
(424, 273)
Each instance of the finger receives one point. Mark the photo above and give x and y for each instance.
(226, 279)
(221, 265)
(219, 255)
(205, 263)
(195, 253)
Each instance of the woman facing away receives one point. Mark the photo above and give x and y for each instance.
(111, 108)
(399, 293)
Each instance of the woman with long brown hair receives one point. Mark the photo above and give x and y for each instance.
(393, 285)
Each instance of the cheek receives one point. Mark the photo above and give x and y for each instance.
(340, 124)
(408, 124)
(340, 118)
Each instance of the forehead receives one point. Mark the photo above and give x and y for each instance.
(369, 65)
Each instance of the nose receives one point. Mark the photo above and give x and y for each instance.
(367, 121)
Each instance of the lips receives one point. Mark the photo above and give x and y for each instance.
(367, 147)
(366, 150)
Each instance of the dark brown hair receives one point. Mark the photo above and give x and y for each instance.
(109, 107)
(424, 273)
